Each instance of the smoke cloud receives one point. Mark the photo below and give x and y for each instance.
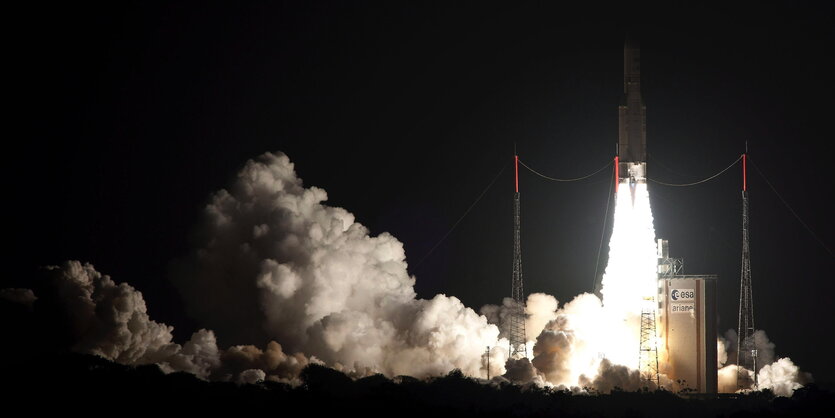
(614, 376)
(730, 379)
(277, 266)
(721, 352)
(782, 376)
(522, 371)
(23, 297)
(111, 320)
(312, 278)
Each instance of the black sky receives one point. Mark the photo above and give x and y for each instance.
(126, 117)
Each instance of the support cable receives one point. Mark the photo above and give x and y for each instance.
(700, 181)
(602, 235)
(790, 208)
(461, 218)
(564, 180)
(658, 163)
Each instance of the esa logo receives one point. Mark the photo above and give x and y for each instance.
(682, 294)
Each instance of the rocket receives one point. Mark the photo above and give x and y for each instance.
(632, 123)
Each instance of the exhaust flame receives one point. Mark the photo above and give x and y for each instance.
(590, 343)
(630, 276)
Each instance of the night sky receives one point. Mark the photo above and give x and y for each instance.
(126, 117)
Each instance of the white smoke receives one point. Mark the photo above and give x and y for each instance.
(276, 265)
(721, 352)
(613, 376)
(540, 309)
(251, 376)
(782, 376)
(310, 277)
(764, 346)
(730, 379)
(522, 371)
(276, 365)
(567, 347)
(199, 355)
(111, 320)
(586, 342)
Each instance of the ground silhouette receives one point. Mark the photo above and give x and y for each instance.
(97, 387)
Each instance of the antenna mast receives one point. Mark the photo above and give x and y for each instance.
(517, 335)
(746, 353)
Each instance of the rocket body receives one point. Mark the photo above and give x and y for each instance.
(632, 136)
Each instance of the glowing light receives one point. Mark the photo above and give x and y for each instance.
(630, 276)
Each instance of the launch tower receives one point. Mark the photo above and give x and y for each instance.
(746, 354)
(517, 336)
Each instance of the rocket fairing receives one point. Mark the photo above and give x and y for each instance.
(632, 136)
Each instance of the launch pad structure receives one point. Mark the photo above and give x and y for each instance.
(746, 353)
(518, 338)
(687, 324)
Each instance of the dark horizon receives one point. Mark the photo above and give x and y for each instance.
(130, 116)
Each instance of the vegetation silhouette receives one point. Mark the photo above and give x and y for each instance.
(40, 374)
(100, 387)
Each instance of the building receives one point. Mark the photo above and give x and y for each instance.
(686, 325)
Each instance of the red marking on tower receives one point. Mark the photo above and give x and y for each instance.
(516, 164)
(617, 174)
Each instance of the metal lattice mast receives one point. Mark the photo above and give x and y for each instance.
(648, 355)
(746, 352)
(517, 335)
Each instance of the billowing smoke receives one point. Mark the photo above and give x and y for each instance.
(276, 268)
(272, 362)
(764, 346)
(782, 376)
(614, 376)
(567, 347)
(732, 379)
(275, 263)
(540, 309)
(721, 352)
(522, 371)
(589, 343)
(111, 320)
(251, 376)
